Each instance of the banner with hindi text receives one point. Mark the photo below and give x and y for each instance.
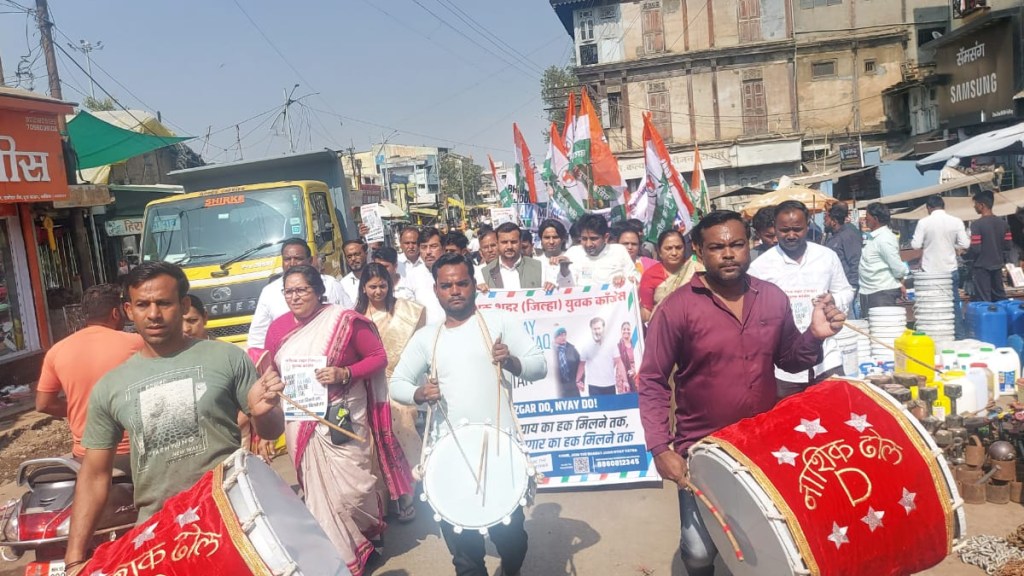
(581, 422)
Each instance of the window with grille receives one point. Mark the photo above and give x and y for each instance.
(870, 66)
(585, 20)
(658, 103)
(749, 20)
(755, 109)
(614, 110)
(653, 29)
(588, 54)
(825, 69)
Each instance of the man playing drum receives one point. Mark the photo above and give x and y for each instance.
(723, 333)
(178, 398)
(463, 386)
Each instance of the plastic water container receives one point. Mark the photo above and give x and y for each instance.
(846, 340)
(1014, 317)
(991, 325)
(963, 361)
(919, 346)
(1005, 364)
(948, 359)
(983, 389)
(971, 317)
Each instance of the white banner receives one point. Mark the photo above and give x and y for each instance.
(582, 421)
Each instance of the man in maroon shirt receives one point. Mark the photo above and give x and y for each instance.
(723, 333)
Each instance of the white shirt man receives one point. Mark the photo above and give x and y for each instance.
(272, 306)
(610, 263)
(939, 235)
(817, 272)
(598, 360)
(509, 275)
(350, 284)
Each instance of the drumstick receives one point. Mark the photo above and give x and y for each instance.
(482, 471)
(321, 419)
(718, 516)
(881, 343)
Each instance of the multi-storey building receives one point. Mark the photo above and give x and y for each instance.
(760, 85)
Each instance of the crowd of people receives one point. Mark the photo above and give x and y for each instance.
(731, 302)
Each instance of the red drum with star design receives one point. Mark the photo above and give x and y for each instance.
(239, 518)
(839, 479)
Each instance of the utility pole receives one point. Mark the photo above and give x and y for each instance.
(46, 42)
(238, 140)
(86, 48)
(79, 232)
(2, 83)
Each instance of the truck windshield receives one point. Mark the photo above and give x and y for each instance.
(212, 229)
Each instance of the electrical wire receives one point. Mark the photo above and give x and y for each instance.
(486, 34)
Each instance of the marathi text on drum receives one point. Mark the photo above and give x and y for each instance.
(25, 166)
(821, 459)
(191, 543)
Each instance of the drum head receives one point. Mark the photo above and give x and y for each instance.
(449, 483)
(766, 544)
(286, 533)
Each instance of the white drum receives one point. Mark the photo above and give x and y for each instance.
(277, 523)
(455, 462)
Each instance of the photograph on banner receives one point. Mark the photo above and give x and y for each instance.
(581, 423)
(371, 216)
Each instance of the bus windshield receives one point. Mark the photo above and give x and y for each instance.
(209, 230)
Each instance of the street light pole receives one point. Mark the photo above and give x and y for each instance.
(86, 48)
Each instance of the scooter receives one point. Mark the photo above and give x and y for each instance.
(39, 521)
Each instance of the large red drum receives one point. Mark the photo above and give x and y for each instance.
(837, 480)
(239, 518)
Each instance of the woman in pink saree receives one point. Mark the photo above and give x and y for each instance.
(336, 476)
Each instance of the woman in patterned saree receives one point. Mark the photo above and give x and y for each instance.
(673, 270)
(396, 320)
(335, 471)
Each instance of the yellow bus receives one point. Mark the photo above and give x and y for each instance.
(228, 241)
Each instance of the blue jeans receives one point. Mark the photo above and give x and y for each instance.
(958, 317)
(696, 548)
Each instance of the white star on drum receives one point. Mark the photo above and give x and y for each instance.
(811, 427)
(145, 536)
(858, 421)
(908, 501)
(873, 518)
(188, 516)
(785, 456)
(838, 536)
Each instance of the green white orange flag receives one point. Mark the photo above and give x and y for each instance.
(662, 199)
(563, 187)
(699, 185)
(526, 169)
(504, 192)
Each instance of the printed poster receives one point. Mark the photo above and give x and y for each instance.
(501, 215)
(299, 376)
(370, 214)
(582, 421)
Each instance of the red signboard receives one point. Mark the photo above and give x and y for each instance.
(31, 157)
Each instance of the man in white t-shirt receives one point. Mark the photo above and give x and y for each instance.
(804, 271)
(409, 257)
(597, 362)
(939, 236)
(272, 305)
(355, 259)
(421, 279)
(594, 261)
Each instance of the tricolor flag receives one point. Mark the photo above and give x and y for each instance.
(526, 169)
(662, 198)
(563, 187)
(699, 185)
(504, 191)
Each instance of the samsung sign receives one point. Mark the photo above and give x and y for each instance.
(980, 71)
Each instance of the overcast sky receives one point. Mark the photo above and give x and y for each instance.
(363, 67)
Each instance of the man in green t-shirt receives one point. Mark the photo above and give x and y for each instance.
(177, 398)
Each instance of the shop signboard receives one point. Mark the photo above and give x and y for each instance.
(124, 226)
(31, 157)
(980, 82)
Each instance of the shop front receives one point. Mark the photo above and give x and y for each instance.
(32, 172)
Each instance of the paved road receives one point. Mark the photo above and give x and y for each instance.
(600, 532)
